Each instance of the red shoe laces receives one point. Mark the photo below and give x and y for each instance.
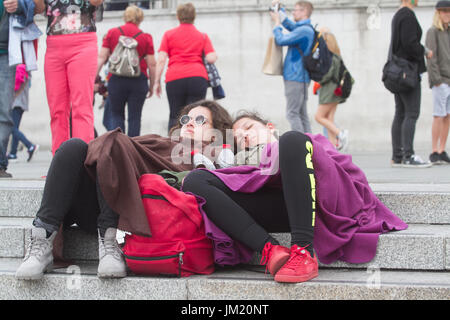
(266, 253)
(297, 258)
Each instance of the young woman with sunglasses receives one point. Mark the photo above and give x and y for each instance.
(299, 184)
(96, 187)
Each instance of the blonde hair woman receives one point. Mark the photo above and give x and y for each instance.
(127, 90)
(328, 101)
(186, 77)
(438, 40)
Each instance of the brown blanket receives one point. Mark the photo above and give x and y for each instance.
(118, 161)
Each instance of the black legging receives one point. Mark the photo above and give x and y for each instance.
(249, 217)
(71, 195)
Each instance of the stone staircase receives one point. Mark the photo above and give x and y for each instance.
(409, 264)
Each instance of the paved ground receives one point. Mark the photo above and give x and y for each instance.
(375, 165)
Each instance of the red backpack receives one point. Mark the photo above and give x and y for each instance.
(178, 245)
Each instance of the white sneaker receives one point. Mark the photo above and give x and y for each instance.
(39, 257)
(342, 140)
(415, 161)
(112, 263)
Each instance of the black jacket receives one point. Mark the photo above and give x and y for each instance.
(406, 36)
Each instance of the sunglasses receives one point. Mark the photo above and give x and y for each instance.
(199, 120)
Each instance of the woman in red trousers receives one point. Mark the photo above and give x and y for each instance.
(70, 68)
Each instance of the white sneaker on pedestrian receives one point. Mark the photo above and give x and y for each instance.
(39, 257)
(111, 262)
(342, 140)
(415, 161)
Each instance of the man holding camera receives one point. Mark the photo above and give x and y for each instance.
(299, 41)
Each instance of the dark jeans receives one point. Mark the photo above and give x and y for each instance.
(131, 91)
(71, 195)
(107, 118)
(7, 78)
(248, 217)
(17, 135)
(407, 110)
(182, 92)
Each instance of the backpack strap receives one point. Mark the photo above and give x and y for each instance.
(137, 34)
(134, 37)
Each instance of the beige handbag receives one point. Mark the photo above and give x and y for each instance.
(273, 63)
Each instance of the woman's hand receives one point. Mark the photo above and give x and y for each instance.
(150, 92)
(96, 2)
(157, 89)
(11, 5)
(39, 6)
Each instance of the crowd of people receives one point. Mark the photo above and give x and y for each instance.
(86, 173)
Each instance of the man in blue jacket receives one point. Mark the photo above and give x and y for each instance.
(296, 78)
(7, 75)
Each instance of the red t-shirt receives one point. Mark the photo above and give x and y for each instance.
(145, 42)
(185, 46)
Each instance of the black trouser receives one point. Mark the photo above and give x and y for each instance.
(248, 217)
(71, 195)
(407, 110)
(182, 92)
(130, 92)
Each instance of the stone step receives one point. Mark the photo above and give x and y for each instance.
(420, 247)
(243, 283)
(419, 203)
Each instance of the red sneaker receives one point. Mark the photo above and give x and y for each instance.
(299, 268)
(274, 257)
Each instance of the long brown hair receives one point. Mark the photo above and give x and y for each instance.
(221, 119)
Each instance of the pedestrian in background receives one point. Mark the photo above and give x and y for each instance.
(405, 41)
(296, 78)
(186, 76)
(7, 76)
(438, 40)
(20, 105)
(328, 100)
(123, 90)
(70, 68)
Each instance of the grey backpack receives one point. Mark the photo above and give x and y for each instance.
(125, 60)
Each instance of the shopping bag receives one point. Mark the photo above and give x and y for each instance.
(273, 63)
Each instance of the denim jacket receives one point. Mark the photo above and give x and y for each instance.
(299, 35)
(22, 32)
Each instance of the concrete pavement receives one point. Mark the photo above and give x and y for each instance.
(375, 165)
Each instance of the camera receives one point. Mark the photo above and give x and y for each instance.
(275, 8)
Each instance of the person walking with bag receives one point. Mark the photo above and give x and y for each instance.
(328, 99)
(70, 66)
(438, 40)
(125, 89)
(20, 105)
(186, 76)
(296, 78)
(405, 43)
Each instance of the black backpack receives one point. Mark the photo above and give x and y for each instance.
(318, 62)
(344, 81)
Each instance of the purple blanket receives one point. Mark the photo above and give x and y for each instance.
(349, 216)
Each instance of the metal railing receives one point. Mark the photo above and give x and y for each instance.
(111, 5)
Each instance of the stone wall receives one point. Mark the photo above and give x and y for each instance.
(239, 31)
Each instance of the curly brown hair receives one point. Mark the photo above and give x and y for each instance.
(221, 119)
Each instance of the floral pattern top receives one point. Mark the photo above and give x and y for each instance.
(70, 16)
